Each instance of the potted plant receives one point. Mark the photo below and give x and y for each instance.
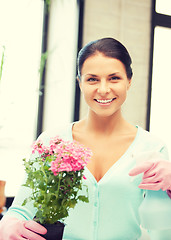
(55, 174)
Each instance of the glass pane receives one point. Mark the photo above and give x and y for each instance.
(61, 65)
(21, 34)
(161, 86)
(163, 6)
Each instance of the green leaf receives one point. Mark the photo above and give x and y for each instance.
(83, 198)
(2, 62)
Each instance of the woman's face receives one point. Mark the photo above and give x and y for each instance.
(104, 84)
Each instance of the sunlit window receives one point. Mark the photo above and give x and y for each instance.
(61, 64)
(21, 34)
(161, 85)
(163, 6)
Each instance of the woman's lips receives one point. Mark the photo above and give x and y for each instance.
(105, 101)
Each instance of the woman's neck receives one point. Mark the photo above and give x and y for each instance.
(105, 125)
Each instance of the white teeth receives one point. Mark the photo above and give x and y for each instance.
(104, 101)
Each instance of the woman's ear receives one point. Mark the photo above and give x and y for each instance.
(129, 83)
(79, 82)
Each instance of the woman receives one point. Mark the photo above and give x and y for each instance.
(104, 76)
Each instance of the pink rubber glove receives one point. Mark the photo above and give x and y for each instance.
(157, 175)
(12, 228)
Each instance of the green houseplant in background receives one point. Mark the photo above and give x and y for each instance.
(55, 176)
(48, 4)
(2, 62)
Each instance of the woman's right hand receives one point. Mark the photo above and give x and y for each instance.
(12, 228)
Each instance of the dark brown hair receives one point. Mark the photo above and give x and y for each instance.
(110, 47)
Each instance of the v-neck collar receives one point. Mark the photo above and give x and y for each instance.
(115, 165)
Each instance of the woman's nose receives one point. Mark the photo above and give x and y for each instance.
(103, 88)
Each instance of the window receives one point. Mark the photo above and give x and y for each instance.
(21, 24)
(160, 117)
(61, 64)
(161, 85)
(21, 34)
(163, 6)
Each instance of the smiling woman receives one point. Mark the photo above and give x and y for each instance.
(104, 83)
(104, 75)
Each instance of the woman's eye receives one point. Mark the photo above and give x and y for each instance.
(114, 78)
(92, 80)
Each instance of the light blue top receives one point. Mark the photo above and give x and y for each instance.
(112, 211)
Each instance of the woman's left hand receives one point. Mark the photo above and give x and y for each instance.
(156, 175)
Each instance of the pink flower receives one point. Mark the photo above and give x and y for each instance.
(37, 146)
(69, 156)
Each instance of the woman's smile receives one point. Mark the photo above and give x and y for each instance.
(105, 102)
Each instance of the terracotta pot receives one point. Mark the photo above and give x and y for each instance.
(54, 231)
